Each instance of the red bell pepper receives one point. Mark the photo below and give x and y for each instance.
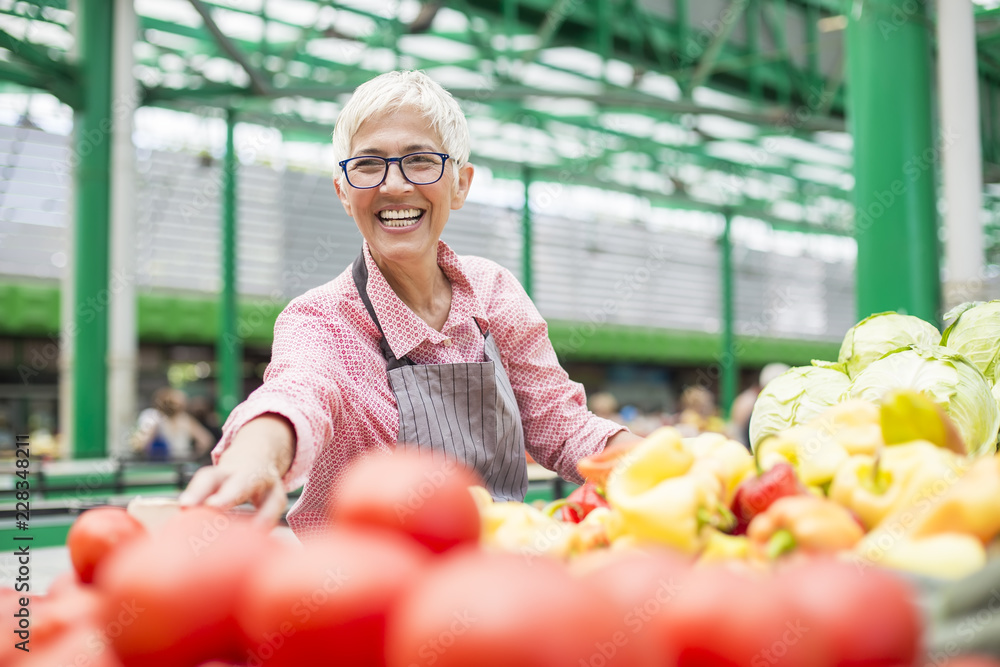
(582, 502)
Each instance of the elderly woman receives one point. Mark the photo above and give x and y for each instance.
(410, 346)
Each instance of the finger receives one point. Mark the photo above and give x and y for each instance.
(203, 484)
(235, 490)
(273, 507)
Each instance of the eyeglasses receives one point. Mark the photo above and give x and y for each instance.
(370, 171)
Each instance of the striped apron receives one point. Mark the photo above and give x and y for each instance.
(464, 412)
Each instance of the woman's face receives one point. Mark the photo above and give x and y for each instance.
(419, 212)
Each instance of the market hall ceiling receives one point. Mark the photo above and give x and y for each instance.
(722, 106)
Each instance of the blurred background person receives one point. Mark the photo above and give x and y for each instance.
(739, 416)
(698, 412)
(605, 405)
(166, 431)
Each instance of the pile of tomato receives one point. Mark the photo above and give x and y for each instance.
(401, 580)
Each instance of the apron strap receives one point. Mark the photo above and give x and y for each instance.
(360, 273)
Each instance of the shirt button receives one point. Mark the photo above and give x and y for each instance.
(446, 342)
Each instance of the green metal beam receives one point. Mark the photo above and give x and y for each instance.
(165, 318)
(65, 88)
(34, 54)
(987, 14)
(895, 158)
(585, 341)
(258, 82)
(92, 173)
(728, 362)
(549, 27)
(706, 63)
(753, 20)
(229, 346)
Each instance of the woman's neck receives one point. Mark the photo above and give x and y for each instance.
(423, 287)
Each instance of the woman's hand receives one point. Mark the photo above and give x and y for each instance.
(250, 470)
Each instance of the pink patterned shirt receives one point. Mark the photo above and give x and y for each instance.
(327, 375)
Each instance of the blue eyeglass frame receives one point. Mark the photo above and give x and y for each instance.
(388, 161)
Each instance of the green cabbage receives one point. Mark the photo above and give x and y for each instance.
(975, 333)
(795, 397)
(880, 334)
(949, 379)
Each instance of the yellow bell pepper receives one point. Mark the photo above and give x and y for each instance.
(971, 506)
(945, 555)
(819, 447)
(662, 496)
(855, 425)
(520, 528)
(723, 548)
(729, 459)
(908, 415)
(482, 497)
(907, 477)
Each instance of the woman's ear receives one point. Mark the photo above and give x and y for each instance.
(341, 189)
(462, 185)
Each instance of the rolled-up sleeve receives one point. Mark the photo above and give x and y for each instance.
(559, 430)
(300, 384)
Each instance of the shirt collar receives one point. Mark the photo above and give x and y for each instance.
(403, 329)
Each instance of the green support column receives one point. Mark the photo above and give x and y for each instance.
(729, 364)
(683, 30)
(753, 20)
(527, 275)
(889, 110)
(92, 152)
(229, 347)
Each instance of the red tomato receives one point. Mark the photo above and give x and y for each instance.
(55, 614)
(95, 534)
(501, 609)
(640, 584)
(868, 617)
(410, 493)
(327, 604)
(724, 618)
(64, 582)
(972, 661)
(10, 611)
(171, 598)
(77, 646)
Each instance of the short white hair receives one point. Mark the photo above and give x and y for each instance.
(405, 88)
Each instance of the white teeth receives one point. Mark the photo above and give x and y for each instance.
(400, 217)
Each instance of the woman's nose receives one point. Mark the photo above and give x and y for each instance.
(394, 179)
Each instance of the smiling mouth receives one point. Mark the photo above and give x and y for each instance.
(400, 218)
